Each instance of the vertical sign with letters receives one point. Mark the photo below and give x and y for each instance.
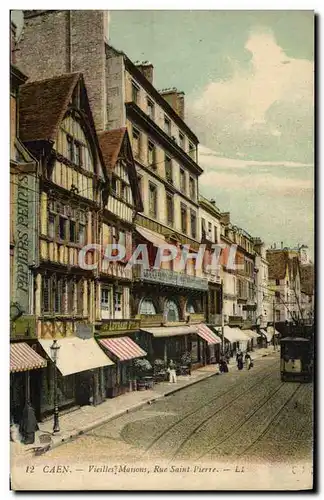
(25, 238)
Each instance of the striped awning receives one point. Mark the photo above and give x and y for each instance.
(205, 333)
(156, 239)
(24, 358)
(123, 347)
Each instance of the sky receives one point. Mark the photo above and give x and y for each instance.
(248, 78)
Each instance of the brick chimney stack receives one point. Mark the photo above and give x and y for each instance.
(147, 69)
(225, 217)
(176, 100)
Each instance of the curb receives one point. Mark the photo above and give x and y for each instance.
(96, 423)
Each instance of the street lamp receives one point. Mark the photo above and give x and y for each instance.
(54, 354)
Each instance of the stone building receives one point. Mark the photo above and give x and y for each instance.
(122, 94)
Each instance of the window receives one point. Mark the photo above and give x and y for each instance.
(278, 316)
(150, 109)
(210, 230)
(135, 93)
(203, 227)
(193, 223)
(122, 238)
(182, 181)
(215, 235)
(152, 200)
(183, 218)
(70, 296)
(51, 225)
(277, 282)
(62, 228)
(80, 293)
(139, 182)
(169, 207)
(118, 300)
(181, 140)
(192, 151)
(147, 307)
(82, 231)
(192, 188)
(136, 143)
(172, 311)
(168, 168)
(167, 126)
(70, 148)
(78, 153)
(151, 154)
(106, 299)
(114, 184)
(124, 191)
(190, 308)
(73, 233)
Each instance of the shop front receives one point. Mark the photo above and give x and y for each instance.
(212, 344)
(120, 377)
(170, 342)
(79, 379)
(25, 367)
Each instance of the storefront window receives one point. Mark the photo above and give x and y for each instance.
(190, 308)
(194, 351)
(172, 311)
(147, 307)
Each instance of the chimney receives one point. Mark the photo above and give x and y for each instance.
(175, 98)
(274, 246)
(146, 68)
(213, 202)
(281, 245)
(13, 31)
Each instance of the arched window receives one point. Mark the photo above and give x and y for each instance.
(190, 308)
(172, 311)
(147, 307)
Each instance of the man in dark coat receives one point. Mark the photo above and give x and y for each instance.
(28, 424)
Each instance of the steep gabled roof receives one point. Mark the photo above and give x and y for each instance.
(277, 264)
(114, 144)
(307, 278)
(111, 142)
(42, 105)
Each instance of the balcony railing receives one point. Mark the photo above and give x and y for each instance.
(168, 277)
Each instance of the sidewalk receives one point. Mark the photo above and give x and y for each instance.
(84, 419)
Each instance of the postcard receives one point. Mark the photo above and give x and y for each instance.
(161, 250)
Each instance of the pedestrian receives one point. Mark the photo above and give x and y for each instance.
(247, 360)
(239, 359)
(28, 425)
(172, 372)
(223, 368)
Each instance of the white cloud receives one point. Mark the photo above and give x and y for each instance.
(265, 183)
(260, 108)
(211, 160)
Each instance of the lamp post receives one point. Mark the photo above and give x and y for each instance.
(54, 354)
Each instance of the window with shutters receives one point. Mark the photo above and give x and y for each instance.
(118, 300)
(136, 143)
(151, 160)
(182, 181)
(192, 188)
(183, 218)
(170, 210)
(168, 168)
(152, 200)
(193, 224)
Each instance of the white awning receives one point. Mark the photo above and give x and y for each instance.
(77, 355)
(234, 334)
(156, 239)
(268, 335)
(252, 334)
(170, 331)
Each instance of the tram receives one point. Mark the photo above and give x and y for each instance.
(296, 359)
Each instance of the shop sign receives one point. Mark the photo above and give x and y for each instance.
(120, 325)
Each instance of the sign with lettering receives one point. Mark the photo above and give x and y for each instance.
(26, 206)
(119, 325)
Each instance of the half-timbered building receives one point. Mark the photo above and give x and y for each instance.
(57, 126)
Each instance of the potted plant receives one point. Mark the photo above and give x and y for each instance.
(142, 368)
(185, 367)
(159, 370)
